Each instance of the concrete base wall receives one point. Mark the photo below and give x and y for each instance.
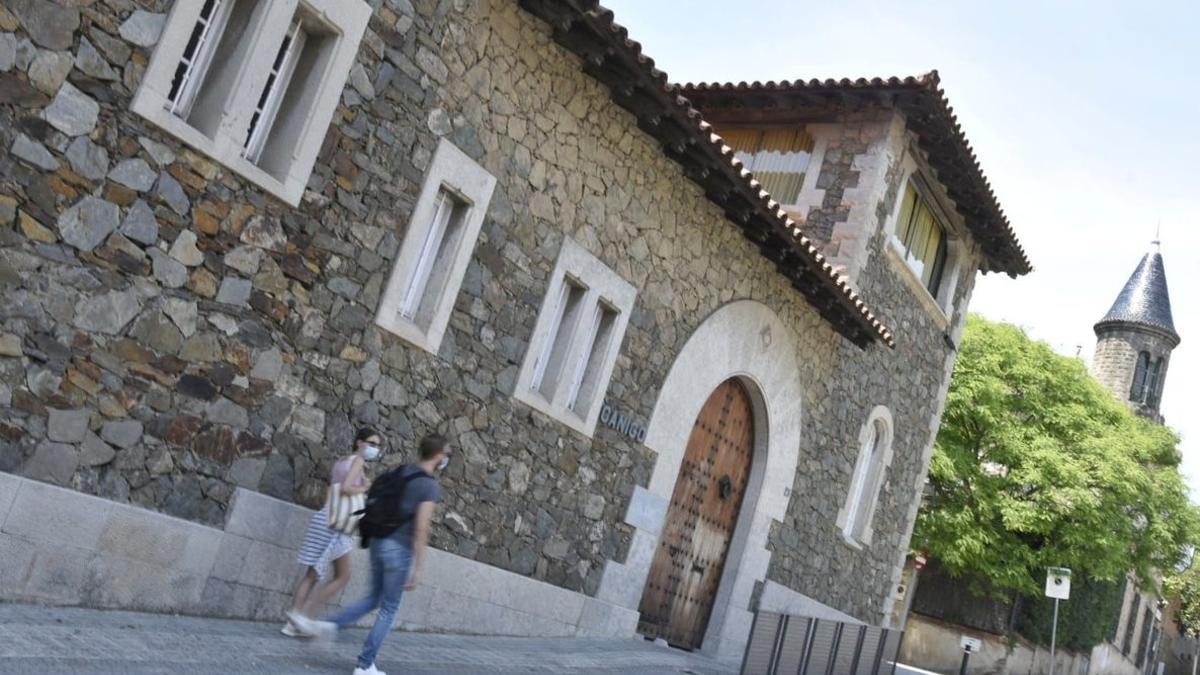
(1107, 659)
(58, 546)
(933, 645)
(779, 598)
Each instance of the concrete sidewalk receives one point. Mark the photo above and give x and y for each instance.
(35, 639)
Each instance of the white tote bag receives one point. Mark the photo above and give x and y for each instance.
(341, 509)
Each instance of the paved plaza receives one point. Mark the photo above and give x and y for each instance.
(35, 639)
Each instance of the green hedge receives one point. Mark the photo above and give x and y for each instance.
(1084, 621)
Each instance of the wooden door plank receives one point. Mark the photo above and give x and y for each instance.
(686, 571)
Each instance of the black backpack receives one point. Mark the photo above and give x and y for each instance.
(382, 514)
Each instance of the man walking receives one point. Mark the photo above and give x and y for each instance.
(397, 553)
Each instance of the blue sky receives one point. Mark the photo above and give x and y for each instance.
(1084, 116)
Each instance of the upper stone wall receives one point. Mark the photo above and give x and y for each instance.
(171, 332)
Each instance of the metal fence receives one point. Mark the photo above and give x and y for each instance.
(782, 644)
(952, 600)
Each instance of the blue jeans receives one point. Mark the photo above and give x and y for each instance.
(391, 561)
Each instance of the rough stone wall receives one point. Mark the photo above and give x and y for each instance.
(810, 554)
(841, 173)
(1115, 361)
(169, 332)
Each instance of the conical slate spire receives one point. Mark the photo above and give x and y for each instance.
(1144, 299)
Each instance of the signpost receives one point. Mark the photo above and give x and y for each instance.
(1058, 586)
(969, 646)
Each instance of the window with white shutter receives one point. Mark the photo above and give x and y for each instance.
(576, 339)
(437, 247)
(253, 83)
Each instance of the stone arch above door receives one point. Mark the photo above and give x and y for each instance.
(747, 340)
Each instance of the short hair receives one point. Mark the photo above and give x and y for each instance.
(432, 445)
(364, 433)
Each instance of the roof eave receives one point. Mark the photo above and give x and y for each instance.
(588, 30)
(927, 113)
(1164, 332)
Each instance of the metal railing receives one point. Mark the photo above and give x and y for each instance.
(799, 645)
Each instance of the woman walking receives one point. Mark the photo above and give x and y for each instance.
(325, 547)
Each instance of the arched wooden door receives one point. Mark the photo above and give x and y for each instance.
(690, 557)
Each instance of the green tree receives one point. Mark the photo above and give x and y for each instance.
(1186, 585)
(1037, 465)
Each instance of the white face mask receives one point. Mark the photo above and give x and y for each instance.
(370, 453)
(444, 463)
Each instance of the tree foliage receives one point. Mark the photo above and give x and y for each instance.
(1037, 465)
(1186, 586)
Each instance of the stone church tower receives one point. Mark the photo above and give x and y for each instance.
(1134, 342)
(1135, 338)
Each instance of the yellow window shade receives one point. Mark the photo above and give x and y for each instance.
(778, 158)
(922, 238)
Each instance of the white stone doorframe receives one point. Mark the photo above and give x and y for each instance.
(747, 340)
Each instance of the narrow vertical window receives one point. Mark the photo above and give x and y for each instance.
(278, 79)
(439, 237)
(1154, 382)
(1137, 391)
(1131, 622)
(934, 282)
(866, 480)
(428, 276)
(1116, 626)
(858, 485)
(873, 480)
(549, 367)
(922, 239)
(1144, 639)
(587, 367)
(193, 66)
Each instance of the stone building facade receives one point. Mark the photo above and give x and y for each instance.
(184, 322)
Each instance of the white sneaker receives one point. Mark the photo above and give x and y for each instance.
(369, 671)
(322, 630)
(290, 630)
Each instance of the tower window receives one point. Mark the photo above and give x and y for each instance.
(1137, 391)
(1154, 382)
(1147, 380)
